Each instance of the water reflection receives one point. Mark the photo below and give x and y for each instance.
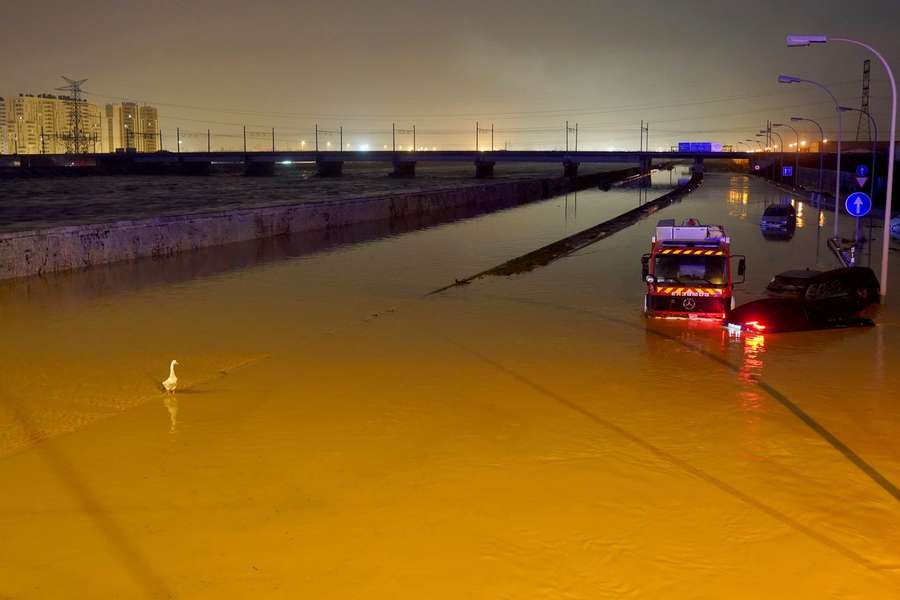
(171, 404)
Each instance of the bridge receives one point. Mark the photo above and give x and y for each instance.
(330, 163)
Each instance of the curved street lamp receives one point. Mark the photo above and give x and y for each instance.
(744, 143)
(874, 140)
(821, 146)
(780, 154)
(806, 40)
(796, 151)
(837, 170)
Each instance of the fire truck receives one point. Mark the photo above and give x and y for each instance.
(688, 271)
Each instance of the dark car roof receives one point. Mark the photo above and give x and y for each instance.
(779, 210)
(798, 274)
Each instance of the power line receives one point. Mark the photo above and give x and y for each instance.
(507, 114)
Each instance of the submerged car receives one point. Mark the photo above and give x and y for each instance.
(802, 300)
(779, 315)
(849, 289)
(779, 221)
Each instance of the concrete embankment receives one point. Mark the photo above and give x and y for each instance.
(35, 252)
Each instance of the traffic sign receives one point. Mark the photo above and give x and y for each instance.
(861, 181)
(787, 171)
(858, 204)
(862, 171)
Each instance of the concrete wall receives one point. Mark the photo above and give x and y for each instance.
(27, 253)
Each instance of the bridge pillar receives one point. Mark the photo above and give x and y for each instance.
(646, 165)
(259, 169)
(570, 168)
(484, 169)
(698, 165)
(404, 168)
(329, 168)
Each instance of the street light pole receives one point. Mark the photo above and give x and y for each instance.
(874, 141)
(821, 147)
(806, 40)
(837, 170)
(874, 125)
(780, 154)
(796, 152)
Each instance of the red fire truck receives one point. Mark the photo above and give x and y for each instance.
(688, 271)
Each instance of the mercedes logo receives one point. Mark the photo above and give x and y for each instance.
(689, 304)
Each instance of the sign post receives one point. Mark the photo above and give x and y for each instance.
(858, 204)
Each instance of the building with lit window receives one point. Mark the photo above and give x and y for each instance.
(130, 126)
(46, 124)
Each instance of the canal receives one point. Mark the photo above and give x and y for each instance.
(339, 433)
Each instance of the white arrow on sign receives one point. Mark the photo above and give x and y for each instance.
(858, 204)
(861, 181)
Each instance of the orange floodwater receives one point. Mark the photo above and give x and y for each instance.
(339, 434)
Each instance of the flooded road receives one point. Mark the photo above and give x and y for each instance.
(338, 434)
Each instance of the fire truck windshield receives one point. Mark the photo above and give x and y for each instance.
(688, 269)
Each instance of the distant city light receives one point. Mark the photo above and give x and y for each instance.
(825, 141)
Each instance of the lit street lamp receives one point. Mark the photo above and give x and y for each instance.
(821, 146)
(837, 170)
(796, 152)
(806, 40)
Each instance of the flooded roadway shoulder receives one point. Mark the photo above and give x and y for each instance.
(566, 246)
(35, 252)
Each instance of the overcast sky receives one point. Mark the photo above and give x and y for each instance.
(702, 70)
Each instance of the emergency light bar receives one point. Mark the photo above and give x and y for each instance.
(668, 231)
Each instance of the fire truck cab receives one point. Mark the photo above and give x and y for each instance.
(688, 271)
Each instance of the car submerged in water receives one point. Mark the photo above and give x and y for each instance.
(803, 300)
(778, 222)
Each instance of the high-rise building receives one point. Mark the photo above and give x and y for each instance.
(4, 129)
(46, 124)
(130, 126)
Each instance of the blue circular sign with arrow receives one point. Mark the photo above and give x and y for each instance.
(862, 171)
(858, 204)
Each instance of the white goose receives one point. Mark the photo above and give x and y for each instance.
(172, 382)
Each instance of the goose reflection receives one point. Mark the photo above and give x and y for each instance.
(171, 404)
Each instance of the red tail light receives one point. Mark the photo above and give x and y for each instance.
(755, 325)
